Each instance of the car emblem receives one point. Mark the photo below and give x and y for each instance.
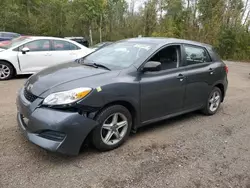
(29, 87)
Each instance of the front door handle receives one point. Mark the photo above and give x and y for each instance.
(180, 77)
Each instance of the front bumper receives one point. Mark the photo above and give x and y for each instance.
(74, 126)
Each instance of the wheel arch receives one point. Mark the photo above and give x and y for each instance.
(222, 88)
(14, 68)
(131, 108)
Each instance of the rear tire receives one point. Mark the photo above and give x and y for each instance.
(6, 71)
(213, 102)
(115, 124)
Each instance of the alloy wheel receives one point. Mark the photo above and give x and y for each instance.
(214, 101)
(4, 71)
(114, 128)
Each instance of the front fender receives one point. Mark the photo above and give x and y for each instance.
(12, 58)
(126, 94)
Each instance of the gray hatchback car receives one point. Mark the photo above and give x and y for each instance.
(117, 89)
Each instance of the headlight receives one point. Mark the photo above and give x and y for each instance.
(66, 97)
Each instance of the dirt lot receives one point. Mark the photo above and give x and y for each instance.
(188, 151)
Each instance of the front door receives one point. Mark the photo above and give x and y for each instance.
(37, 58)
(162, 92)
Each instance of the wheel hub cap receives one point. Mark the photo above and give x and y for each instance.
(114, 128)
(214, 101)
(4, 71)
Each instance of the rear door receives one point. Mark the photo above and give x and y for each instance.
(64, 51)
(38, 57)
(200, 74)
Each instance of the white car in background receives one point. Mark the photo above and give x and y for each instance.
(30, 54)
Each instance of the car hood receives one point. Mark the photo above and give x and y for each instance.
(1, 49)
(66, 76)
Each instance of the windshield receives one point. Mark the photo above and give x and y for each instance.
(100, 44)
(14, 42)
(119, 55)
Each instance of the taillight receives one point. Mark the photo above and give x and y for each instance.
(226, 69)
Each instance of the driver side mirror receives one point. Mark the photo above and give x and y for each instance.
(25, 50)
(152, 66)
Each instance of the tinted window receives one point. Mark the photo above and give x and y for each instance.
(81, 41)
(169, 57)
(73, 47)
(9, 35)
(195, 55)
(78, 40)
(59, 45)
(38, 45)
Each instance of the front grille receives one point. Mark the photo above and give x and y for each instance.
(29, 96)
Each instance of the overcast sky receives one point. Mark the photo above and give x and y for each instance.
(138, 3)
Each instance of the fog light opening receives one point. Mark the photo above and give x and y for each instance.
(53, 135)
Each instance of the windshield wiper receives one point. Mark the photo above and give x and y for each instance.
(92, 64)
(102, 66)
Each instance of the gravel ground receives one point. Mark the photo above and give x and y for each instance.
(188, 151)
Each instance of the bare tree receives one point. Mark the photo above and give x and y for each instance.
(245, 9)
(247, 18)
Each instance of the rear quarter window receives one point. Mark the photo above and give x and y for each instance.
(196, 54)
(214, 54)
(74, 47)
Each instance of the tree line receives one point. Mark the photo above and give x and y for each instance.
(222, 23)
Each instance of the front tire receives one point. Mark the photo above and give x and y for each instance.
(115, 124)
(213, 102)
(6, 71)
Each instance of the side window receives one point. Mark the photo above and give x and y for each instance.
(169, 57)
(78, 40)
(9, 35)
(59, 45)
(195, 55)
(15, 35)
(73, 47)
(38, 45)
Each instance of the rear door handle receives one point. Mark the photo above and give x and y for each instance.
(211, 71)
(48, 54)
(180, 77)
